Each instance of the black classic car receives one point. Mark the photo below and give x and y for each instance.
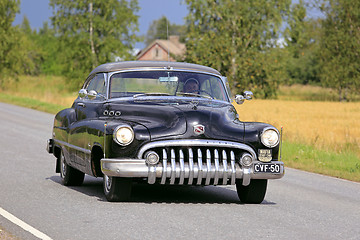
(162, 123)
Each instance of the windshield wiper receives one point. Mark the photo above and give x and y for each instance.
(193, 95)
(151, 94)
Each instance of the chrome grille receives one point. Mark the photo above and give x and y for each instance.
(196, 165)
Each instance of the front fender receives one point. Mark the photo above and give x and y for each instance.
(62, 121)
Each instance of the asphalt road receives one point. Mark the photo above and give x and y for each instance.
(300, 206)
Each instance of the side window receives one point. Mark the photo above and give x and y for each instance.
(97, 83)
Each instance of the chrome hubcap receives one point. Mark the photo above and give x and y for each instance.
(63, 165)
(108, 181)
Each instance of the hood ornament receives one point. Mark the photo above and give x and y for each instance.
(199, 129)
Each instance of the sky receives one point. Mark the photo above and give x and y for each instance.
(39, 11)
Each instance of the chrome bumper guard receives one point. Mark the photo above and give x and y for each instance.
(207, 173)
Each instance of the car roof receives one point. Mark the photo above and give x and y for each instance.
(128, 65)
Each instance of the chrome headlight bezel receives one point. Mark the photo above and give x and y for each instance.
(126, 130)
(266, 134)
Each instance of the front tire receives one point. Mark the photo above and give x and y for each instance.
(253, 193)
(117, 189)
(69, 175)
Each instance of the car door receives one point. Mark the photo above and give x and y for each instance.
(86, 109)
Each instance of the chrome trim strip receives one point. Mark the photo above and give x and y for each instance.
(191, 166)
(195, 143)
(208, 164)
(182, 168)
(173, 167)
(62, 143)
(233, 171)
(216, 159)
(164, 171)
(200, 167)
(225, 176)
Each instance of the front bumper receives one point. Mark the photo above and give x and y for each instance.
(190, 173)
(50, 146)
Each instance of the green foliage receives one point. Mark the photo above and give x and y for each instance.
(302, 37)
(340, 43)
(93, 32)
(238, 38)
(161, 28)
(11, 57)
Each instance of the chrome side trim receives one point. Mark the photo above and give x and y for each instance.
(196, 143)
(62, 143)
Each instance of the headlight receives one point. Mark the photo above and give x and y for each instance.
(123, 135)
(270, 137)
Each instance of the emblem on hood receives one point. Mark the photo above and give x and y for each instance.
(199, 129)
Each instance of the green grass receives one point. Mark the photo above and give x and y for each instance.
(344, 165)
(30, 103)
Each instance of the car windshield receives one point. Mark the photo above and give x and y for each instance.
(166, 83)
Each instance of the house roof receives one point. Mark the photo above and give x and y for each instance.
(173, 46)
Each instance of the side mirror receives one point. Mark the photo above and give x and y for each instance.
(83, 93)
(92, 94)
(248, 95)
(239, 99)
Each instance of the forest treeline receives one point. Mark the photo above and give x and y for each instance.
(259, 44)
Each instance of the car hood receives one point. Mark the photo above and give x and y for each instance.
(171, 120)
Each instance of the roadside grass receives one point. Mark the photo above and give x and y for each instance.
(31, 103)
(321, 137)
(344, 165)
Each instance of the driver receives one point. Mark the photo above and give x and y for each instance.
(191, 86)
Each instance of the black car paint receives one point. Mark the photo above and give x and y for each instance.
(83, 126)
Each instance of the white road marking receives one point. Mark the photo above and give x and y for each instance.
(23, 225)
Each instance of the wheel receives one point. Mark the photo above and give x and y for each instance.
(117, 189)
(254, 192)
(69, 175)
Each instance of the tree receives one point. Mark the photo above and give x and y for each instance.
(10, 56)
(340, 52)
(94, 32)
(302, 38)
(238, 38)
(161, 28)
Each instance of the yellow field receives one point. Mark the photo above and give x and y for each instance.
(325, 125)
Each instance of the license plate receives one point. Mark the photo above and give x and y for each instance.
(267, 168)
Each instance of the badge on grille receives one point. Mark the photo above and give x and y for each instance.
(199, 129)
(265, 155)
